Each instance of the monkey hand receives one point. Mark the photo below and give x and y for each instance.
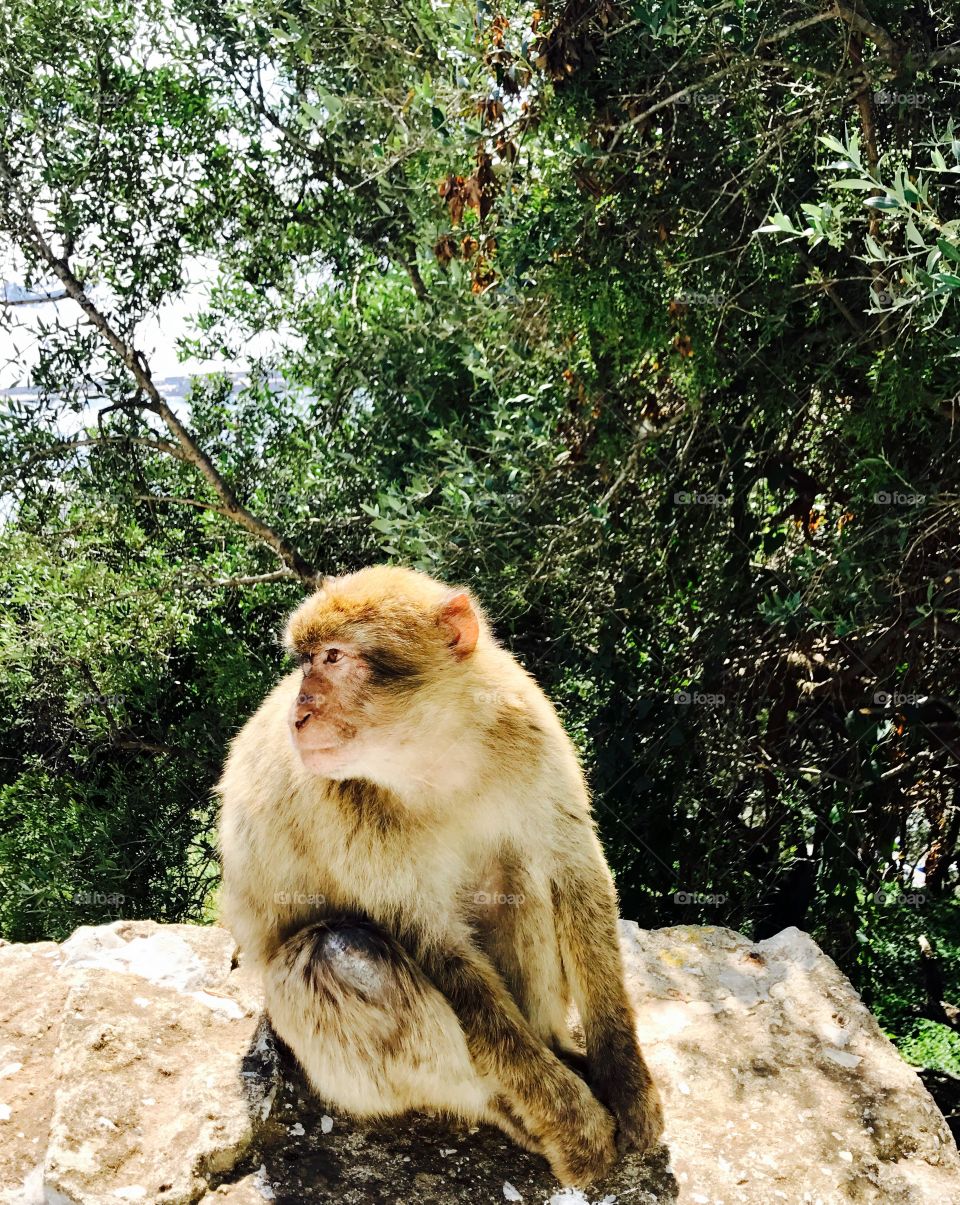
(639, 1121)
(580, 1143)
(627, 1090)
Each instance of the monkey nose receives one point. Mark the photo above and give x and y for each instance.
(309, 706)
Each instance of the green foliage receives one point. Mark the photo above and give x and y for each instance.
(641, 319)
(892, 921)
(915, 258)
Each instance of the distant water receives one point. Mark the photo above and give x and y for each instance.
(174, 389)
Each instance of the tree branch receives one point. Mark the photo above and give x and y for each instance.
(9, 302)
(217, 510)
(786, 30)
(279, 575)
(416, 280)
(946, 56)
(829, 288)
(667, 101)
(937, 1009)
(858, 21)
(139, 370)
(155, 445)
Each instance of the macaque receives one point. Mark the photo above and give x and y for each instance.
(409, 859)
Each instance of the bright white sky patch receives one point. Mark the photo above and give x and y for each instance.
(157, 335)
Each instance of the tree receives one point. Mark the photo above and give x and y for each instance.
(640, 318)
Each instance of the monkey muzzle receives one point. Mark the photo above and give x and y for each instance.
(318, 726)
(308, 707)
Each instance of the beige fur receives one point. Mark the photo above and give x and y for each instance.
(424, 911)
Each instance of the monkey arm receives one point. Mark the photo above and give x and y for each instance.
(500, 1040)
(554, 1103)
(585, 910)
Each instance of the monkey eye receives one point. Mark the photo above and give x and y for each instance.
(304, 659)
(333, 656)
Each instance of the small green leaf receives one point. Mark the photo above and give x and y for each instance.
(913, 234)
(949, 250)
(779, 223)
(834, 145)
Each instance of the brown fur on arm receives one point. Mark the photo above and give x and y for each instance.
(554, 1104)
(585, 904)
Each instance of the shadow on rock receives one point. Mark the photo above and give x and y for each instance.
(303, 1153)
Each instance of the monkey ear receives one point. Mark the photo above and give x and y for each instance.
(459, 623)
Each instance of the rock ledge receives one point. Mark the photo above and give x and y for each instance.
(135, 1066)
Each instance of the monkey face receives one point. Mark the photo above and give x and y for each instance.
(383, 653)
(334, 681)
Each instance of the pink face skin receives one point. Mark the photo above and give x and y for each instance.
(331, 725)
(333, 680)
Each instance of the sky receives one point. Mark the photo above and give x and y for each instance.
(156, 336)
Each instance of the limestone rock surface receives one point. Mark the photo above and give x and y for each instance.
(135, 1065)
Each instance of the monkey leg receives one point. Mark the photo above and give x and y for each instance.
(373, 1035)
